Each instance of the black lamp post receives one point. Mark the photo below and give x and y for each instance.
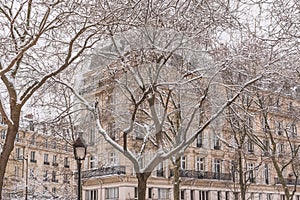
(79, 153)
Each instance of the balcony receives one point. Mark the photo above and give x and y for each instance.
(117, 170)
(46, 163)
(205, 175)
(55, 164)
(67, 166)
(289, 181)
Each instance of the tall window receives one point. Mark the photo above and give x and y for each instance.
(92, 162)
(66, 179)
(112, 158)
(17, 137)
(278, 127)
(250, 169)
(266, 174)
(293, 130)
(18, 153)
(3, 134)
(17, 171)
(250, 146)
(203, 195)
(266, 147)
(183, 162)
(66, 162)
(200, 164)
(182, 194)
(112, 193)
(217, 143)
(91, 195)
(54, 160)
(45, 175)
(92, 136)
(46, 159)
(199, 140)
(54, 177)
(217, 168)
(163, 193)
(32, 140)
(160, 169)
(32, 156)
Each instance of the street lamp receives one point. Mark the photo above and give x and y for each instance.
(79, 148)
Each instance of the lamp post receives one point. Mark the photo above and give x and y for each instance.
(79, 148)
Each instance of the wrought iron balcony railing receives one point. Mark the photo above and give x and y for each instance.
(289, 181)
(205, 175)
(118, 170)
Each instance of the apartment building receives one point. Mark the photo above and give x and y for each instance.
(254, 153)
(40, 167)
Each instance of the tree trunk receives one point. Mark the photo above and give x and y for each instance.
(142, 184)
(176, 184)
(242, 181)
(8, 146)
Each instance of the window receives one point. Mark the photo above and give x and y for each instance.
(266, 147)
(182, 194)
(217, 144)
(282, 197)
(183, 162)
(199, 140)
(192, 194)
(112, 158)
(203, 195)
(66, 162)
(92, 162)
(269, 196)
(45, 175)
(54, 177)
(135, 192)
(17, 171)
(17, 137)
(66, 178)
(54, 145)
(112, 193)
(46, 159)
(250, 146)
(160, 170)
(199, 164)
(278, 128)
(3, 134)
(217, 169)
(32, 157)
(219, 195)
(91, 195)
(54, 161)
(233, 170)
(32, 140)
(18, 153)
(293, 129)
(250, 168)
(150, 193)
(91, 136)
(227, 195)
(46, 143)
(66, 146)
(163, 193)
(266, 174)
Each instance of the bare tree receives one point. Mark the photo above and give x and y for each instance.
(39, 40)
(162, 89)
